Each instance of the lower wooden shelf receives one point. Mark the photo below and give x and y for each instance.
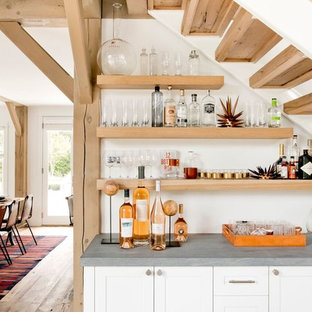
(214, 185)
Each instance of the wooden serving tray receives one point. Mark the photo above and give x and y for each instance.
(297, 240)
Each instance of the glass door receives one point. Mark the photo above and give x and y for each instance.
(57, 173)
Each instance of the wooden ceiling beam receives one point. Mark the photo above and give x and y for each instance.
(137, 7)
(279, 64)
(15, 120)
(300, 106)
(79, 43)
(15, 32)
(17, 10)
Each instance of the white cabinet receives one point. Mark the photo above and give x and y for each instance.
(123, 289)
(290, 289)
(183, 289)
(241, 304)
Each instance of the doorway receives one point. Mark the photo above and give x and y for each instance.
(56, 170)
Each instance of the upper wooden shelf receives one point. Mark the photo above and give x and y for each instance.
(149, 82)
(194, 133)
(246, 40)
(207, 18)
(214, 185)
(287, 70)
(300, 106)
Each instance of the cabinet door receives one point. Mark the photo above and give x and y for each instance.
(123, 289)
(290, 289)
(183, 289)
(241, 304)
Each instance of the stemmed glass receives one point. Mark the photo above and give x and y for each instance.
(109, 161)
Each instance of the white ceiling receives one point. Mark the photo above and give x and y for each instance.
(22, 81)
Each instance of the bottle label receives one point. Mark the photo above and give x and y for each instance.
(141, 210)
(276, 118)
(307, 168)
(158, 229)
(209, 108)
(170, 115)
(284, 172)
(126, 225)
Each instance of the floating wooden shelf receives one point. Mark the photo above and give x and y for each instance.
(300, 106)
(288, 69)
(149, 82)
(165, 4)
(247, 40)
(194, 133)
(207, 18)
(215, 185)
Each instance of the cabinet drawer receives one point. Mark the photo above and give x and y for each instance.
(241, 304)
(240, 281)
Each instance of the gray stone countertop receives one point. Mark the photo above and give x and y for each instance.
(200, 250)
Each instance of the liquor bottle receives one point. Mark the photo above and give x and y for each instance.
(305, 163)
(157, 108)
(153, 70)
(182, 111)
(194, 112)
(126, 223)
(284, 168)
(292, 172)
(143, 63)
(294, 150)
(180, 227)
(208, 111)
(158, 223)
(278, 163)
(169, 110)
(274, 115)
(141, 201)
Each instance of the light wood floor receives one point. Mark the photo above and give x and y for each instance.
(49, 286)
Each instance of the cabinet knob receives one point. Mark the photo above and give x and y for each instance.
(148, 272)
(159, 273)
(275, 272)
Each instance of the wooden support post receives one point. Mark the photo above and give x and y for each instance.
(86, 167)
(13, 114)
(15, 32)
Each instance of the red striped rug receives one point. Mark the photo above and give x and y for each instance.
(10, 275)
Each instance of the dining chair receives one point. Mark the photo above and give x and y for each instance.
(27, 214)
(10, 225)
(2, 244)
(70, 201)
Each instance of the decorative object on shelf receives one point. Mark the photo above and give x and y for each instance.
(116, 56)
(269, 173)
(110, 188)
(169, 164)
(230, 119)
(170, 208)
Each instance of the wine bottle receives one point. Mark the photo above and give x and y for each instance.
(126, 223)
(180, 227)
(141, 202)
(158, 223)
(157, 108)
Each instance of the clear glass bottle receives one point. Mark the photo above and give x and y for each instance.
(191, 165)
(305, 163)
(194, 112)
(182, 111)
(158, 223)
(153, 63)
(294, 150)
(126, 223)
(278, 163)
(180, 227)
(169, 110)
(193, 63)
(208, 114)
(274, 115)
(141, 202)
(143, 63)
(157, 108)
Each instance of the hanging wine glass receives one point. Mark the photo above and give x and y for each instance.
(116, 56)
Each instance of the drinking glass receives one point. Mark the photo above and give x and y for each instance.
(146, 114)
(178, 64)
(106, 110)
(109, 161)
(155, 163)
(135, 122)
(125, 115)
(165, 63)
(114, 117)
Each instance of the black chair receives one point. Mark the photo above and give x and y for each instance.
(10, 226)
(27, 214)
(70, 202)
(2, 244)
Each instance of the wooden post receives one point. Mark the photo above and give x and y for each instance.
(86, 166)
(21, 153)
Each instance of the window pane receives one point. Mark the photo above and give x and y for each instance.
(1, 141)
(1, 177)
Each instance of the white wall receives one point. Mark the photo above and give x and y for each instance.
(206, 211)
(35, 117)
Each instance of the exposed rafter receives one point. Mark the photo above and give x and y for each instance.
(166, 4)
(39, 57)
(78, 38)
(137, 7)
(300, 106)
